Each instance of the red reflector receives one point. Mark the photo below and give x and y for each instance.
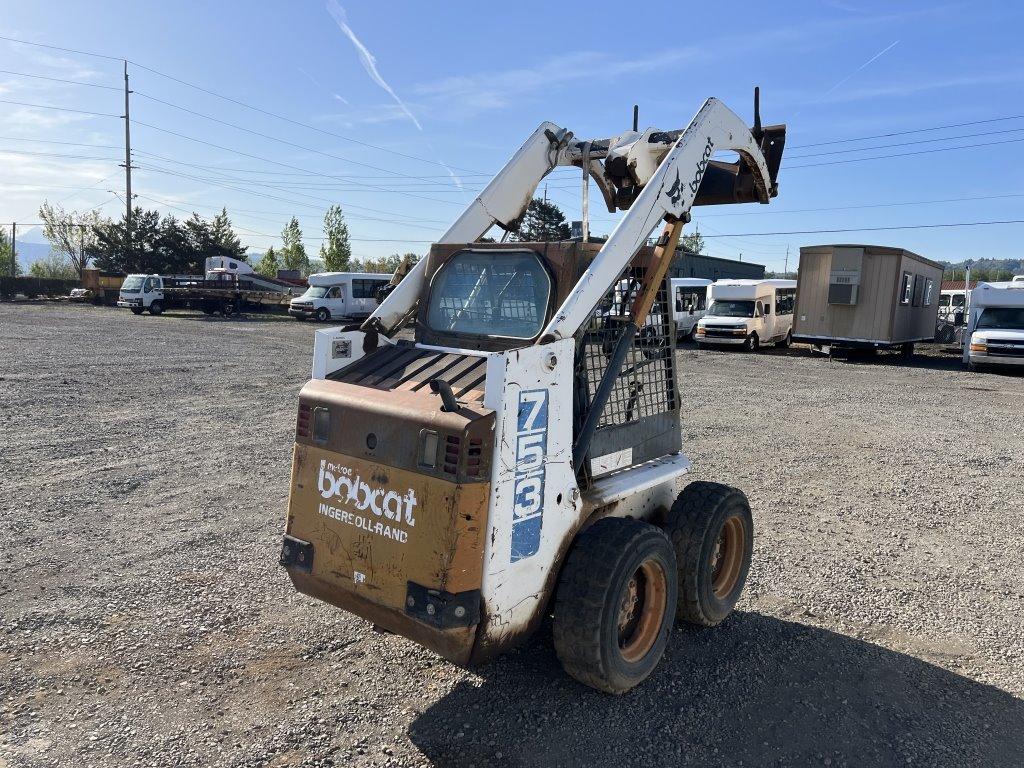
(302, 426)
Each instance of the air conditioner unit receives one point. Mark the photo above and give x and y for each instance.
(843, 285)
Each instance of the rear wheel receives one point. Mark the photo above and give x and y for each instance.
(156, 308)
(786, 342)
(614, 605)
(323, 314)
(712, 531)
(751, 343)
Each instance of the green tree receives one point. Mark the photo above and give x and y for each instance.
(693, 243)
(542, 222)
(336, 251)
(71, 235)
(269, 264)
(55, 266)
(224, 240)
(5, 257)
(293, 252)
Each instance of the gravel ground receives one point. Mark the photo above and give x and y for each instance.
(144, 470)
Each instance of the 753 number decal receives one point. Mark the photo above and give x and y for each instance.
(528, 498)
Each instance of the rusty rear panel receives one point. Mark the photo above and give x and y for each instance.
(382, 526)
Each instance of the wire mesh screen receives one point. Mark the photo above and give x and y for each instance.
(498, 295)
(646, 384)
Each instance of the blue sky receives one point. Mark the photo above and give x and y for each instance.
(447, 91)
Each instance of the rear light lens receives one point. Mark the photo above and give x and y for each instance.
(302, 426)
(321, 424)
(428, 448)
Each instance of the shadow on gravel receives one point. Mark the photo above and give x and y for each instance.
(755, 691)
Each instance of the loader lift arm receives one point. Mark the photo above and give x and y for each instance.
(654, 176)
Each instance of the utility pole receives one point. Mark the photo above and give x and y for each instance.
(14, 250)
(545, 193)
(127, 164)
(785, 269)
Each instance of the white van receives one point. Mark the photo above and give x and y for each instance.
(338, 294)
(748, 313)
(689, 303)
(952, 306)
(995, 325)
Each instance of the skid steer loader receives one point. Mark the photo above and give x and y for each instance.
(521, 455)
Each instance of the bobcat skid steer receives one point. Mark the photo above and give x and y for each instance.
(520, 455)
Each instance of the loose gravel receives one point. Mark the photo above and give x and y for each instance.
(144, 467)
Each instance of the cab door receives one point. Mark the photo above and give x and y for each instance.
(152, 290)
(767, 321)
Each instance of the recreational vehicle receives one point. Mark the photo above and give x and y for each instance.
(339, 294)
(689, 304)
(748, 313)
(995, 325)
(866, 296)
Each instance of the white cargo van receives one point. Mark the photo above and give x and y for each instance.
(748, 313)
(995, 325)
(338, 294)
(689, 304)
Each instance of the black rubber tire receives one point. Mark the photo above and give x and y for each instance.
(137, 310)
(694, 525)
(590, 591)
(751, 343)
(156, 308)
(786, 342)
(907, 350)
(323, 314)
(228, 308)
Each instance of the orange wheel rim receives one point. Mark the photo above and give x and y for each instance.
(642, 610)
(727, 557)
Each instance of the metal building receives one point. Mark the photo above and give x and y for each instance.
(688, 264)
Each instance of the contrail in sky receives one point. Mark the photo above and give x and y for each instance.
(863, 66)
(368, 61)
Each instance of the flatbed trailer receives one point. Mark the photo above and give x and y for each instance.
(157, 293)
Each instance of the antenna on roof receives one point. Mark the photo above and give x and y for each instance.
(636, 117)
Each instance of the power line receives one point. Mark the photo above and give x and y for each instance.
(58, 48)
(904, 154)
(284, 141)
(859, 207)
(60, 109)
(871, 229)
(65, 143)
(907, 143)
(53, 154)
(285, 165)
(906, 133)
(59, 80)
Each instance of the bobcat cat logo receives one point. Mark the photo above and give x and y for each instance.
(676, 190)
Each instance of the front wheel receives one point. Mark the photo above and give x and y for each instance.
(712, 531)
(137, 310)
(323, 314)
(614, 604)
(751, 343)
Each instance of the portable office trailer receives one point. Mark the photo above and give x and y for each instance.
(867, 296)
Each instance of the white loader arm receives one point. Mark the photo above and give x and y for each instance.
(669, 193)
(502, 201)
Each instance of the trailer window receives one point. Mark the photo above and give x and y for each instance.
(906, 288)
(929, 290)
(490, 294)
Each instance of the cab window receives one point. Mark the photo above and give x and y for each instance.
(490, 293)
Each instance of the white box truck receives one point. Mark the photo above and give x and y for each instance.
(339, 294)
(689, 304)
(748, 313)
(995, 325)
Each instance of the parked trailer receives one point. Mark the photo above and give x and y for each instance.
(748, 313)
(157, 293)
(98, 287)
(995, 325)
(339, 294)
(866, 296)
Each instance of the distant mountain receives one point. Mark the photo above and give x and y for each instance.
(33, 235)
(1011, 265)
(29, 252)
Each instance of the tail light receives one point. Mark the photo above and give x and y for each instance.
(474, 457)
(302, 426)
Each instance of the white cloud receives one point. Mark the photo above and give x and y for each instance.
(367, 59)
